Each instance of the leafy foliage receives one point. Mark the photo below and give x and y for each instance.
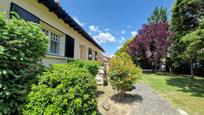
(152, 43)
(185, 18)
(22, 45)
(123, 73)
(159, 15)
(63, 89)
(194, 42)
(92, 66)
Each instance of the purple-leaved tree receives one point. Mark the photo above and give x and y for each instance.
(151, 43)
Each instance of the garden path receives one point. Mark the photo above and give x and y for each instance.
(151, 103)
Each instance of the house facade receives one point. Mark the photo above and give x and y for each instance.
(67, 39)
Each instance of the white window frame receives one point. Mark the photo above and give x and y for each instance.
(56, 39)
(53, 37)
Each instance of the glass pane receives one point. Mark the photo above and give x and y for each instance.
(90, 54)
(54, 43)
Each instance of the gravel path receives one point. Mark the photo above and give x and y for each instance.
(151, 103)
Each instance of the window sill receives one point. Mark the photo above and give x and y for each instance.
(56, 56)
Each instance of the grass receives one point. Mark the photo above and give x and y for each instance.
(176, 89)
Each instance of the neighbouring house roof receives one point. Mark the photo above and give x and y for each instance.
(54, 7)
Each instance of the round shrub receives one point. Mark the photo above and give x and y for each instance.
(92, 66)
(123, 73)
(22, 45)
(63, 89)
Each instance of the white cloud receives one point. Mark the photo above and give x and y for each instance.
(134, 33)
(122, 39)
(101, 36)
(94, 28)
(78, 21)
(123, 32)
(104, 37)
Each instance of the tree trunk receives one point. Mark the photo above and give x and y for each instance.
(122, 94)
(155, 66)
(170, 70)
(170, 66)
(192, 72)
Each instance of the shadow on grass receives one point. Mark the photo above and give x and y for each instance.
(196, 88)
(159, 73)
(127, 99)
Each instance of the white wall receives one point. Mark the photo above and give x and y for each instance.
(44, 14)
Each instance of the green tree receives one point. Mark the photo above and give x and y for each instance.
(194, 42)
(185, 18)
(159, 15)
(123, 73)
(22, 46)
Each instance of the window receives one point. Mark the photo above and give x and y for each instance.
(24, 14)
(89, 54)
(54, 42)
(96, 55)
(46, 32)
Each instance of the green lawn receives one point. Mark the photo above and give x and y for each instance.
(175, 89)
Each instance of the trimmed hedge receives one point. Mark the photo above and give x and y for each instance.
(22, 46)
(63, 89)
(92, 66)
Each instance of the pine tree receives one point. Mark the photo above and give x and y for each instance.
(194, 42)
(185, 18)
(159, 15)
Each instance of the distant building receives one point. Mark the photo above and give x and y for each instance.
(106, 60)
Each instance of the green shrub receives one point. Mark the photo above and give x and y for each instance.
(22, 44)
(64, 89)
(92, 66)
(123, 73)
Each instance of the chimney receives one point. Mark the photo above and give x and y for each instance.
(58, 2)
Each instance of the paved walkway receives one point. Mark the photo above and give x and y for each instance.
(151, 103)
(100, 76)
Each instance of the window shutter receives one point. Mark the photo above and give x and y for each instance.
(69, 47)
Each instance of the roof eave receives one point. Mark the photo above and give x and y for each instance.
(54, 7)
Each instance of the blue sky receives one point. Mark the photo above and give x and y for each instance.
(112, 22)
